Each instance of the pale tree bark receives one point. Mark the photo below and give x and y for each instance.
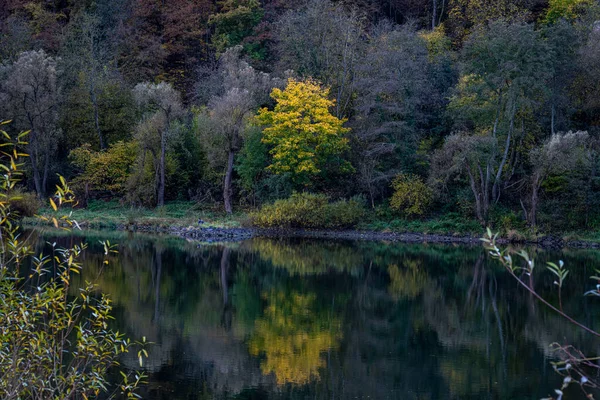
(227, 191)
(161, 179)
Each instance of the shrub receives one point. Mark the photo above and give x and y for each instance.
(24, 204)
(104, 171)
(52, 344)
(307, 210)
(411, 195)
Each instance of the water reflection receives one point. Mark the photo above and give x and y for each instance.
(299, 318)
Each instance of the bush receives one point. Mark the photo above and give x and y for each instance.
(104, 172)
(307, 210)
(411, 195)
(25, 204)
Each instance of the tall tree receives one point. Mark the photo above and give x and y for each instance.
(86, 58)
(29, 95)
(465, 155)
(394, 88)
(241, 90)
(322, 40)
(163, 100)
(505, 68)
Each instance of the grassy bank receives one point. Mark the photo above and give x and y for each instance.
(112, 215)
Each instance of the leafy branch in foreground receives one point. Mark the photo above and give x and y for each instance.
(55, 339)
(574, 363)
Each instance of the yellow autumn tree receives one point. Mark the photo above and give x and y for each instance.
(304, 134)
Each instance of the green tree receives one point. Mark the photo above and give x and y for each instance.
(234, 22)
(559, 155)
(505, 70)
(565, 9)
(305, 137)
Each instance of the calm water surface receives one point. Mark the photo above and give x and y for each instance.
(310, 319)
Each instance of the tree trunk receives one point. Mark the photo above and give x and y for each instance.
(552, 117)
(46, 171)
(37, 181)
(227, 183)
(498, 180)
(161, 180)
(535, 188)
(478, 199)
(434, 17)
(97, 117)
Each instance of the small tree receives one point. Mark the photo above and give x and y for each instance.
(411, 195)
(55, 339)
(161, 99)
(560, 154)
(304, 134)
(471, 156)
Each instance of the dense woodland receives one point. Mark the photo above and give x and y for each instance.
(417, 108)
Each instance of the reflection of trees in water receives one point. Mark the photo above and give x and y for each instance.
(309, 257)
(409, 281)
(366, 319)
(292, 335)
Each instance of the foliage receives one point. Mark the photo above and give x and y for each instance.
(304, 136)
(22, 203)
(104, 171)
(29, 96)
(411, 195)
(306, 210)
(567, 9)
(292, 335)
(52, 344)
(234, 22)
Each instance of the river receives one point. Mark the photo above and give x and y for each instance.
(314, 319)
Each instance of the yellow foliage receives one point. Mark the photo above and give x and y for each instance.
(105, 170)
(301, 129)
(408, 282)
(307, 210)
(411, 195)
(292, 336)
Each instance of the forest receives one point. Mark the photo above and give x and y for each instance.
(317, 113)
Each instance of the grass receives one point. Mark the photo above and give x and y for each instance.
(111, 215)
(450, 224)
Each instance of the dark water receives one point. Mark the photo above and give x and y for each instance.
(308, 319)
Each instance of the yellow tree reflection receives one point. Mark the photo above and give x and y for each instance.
(407, 282)
(292, 336)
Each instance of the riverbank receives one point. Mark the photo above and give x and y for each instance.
(186, 220)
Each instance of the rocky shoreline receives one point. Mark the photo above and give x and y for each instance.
(211, 234)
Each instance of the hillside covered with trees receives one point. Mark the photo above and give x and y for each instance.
(384, 109)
